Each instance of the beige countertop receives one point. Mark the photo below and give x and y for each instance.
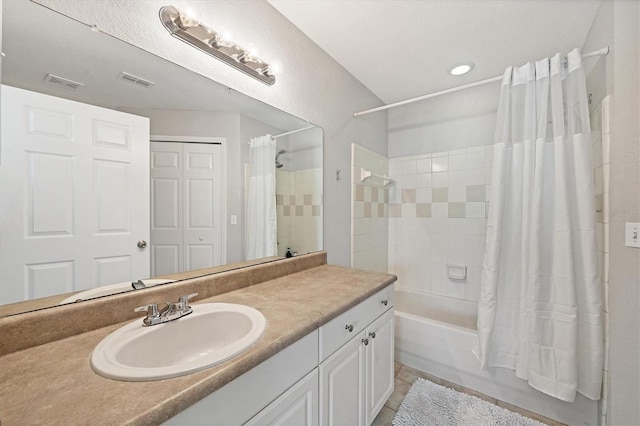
(54, 384)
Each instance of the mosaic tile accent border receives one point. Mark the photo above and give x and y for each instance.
(370, 202)
(298, 205)
(453, 184)
(456, 202)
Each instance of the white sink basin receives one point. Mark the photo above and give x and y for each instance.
(212, 334)
(106, 290)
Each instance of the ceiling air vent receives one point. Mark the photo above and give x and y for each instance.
(55, 79)
(135, 79)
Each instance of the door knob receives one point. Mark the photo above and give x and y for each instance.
(142, 244)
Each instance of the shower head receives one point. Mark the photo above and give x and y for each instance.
(279, 165)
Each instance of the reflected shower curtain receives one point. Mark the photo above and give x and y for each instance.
(540, 303)
(261, 226)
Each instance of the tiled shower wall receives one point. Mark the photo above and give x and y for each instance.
(600, 120)
(299, 210)
(437, 216)
(369, 210)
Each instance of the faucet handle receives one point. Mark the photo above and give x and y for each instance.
(183, 301)
(151, 309)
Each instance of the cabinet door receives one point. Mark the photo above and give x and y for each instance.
(297, 407)
(342, 385)
(379, 365)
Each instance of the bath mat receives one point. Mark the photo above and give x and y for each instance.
(429, 404)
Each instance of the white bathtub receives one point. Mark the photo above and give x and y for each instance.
(437, 335)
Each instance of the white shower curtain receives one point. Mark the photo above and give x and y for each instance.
(261, 226)
(540, 303)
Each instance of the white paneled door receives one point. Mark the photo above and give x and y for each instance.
(74, 180)
(186, 206)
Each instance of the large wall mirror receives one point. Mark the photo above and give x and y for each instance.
(119, 167)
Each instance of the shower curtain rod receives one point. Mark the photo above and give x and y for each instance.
(603, 51)
(292, 132)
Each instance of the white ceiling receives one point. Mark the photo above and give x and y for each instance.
(400, 49)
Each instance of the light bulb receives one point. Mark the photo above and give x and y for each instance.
(461, 69)
(191, 13)
(276, 67)
(253, 51)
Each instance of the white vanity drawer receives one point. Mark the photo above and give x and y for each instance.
(339, 330)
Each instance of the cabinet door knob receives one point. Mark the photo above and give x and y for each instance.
(384, 302)
(349, 327)
(365, 341)
(372, 334)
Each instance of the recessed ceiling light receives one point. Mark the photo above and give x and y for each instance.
(461, 69)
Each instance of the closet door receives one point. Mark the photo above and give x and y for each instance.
(202, 183)
(75, 183)
(186, 207)
(166, 209)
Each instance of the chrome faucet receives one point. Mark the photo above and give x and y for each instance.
(171, 312)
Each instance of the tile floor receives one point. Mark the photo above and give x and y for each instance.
(404, 378)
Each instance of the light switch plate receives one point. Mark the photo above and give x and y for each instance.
(234, 219)
(632, 235)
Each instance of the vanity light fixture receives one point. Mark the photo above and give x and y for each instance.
(461, 69)
(183, 27)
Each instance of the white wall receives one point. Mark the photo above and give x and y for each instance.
(313, 86)
(303, 150)
(459, 120)
(616, 25)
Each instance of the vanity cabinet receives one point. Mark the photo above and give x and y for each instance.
(379, 377)
(340, 374)
(357, 379)
(297, 406)
(267, 387)
(342, 385)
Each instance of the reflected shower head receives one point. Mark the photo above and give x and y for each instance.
(279, 165)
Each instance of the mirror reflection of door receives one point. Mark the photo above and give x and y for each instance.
(76, 199)
(187, 204)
